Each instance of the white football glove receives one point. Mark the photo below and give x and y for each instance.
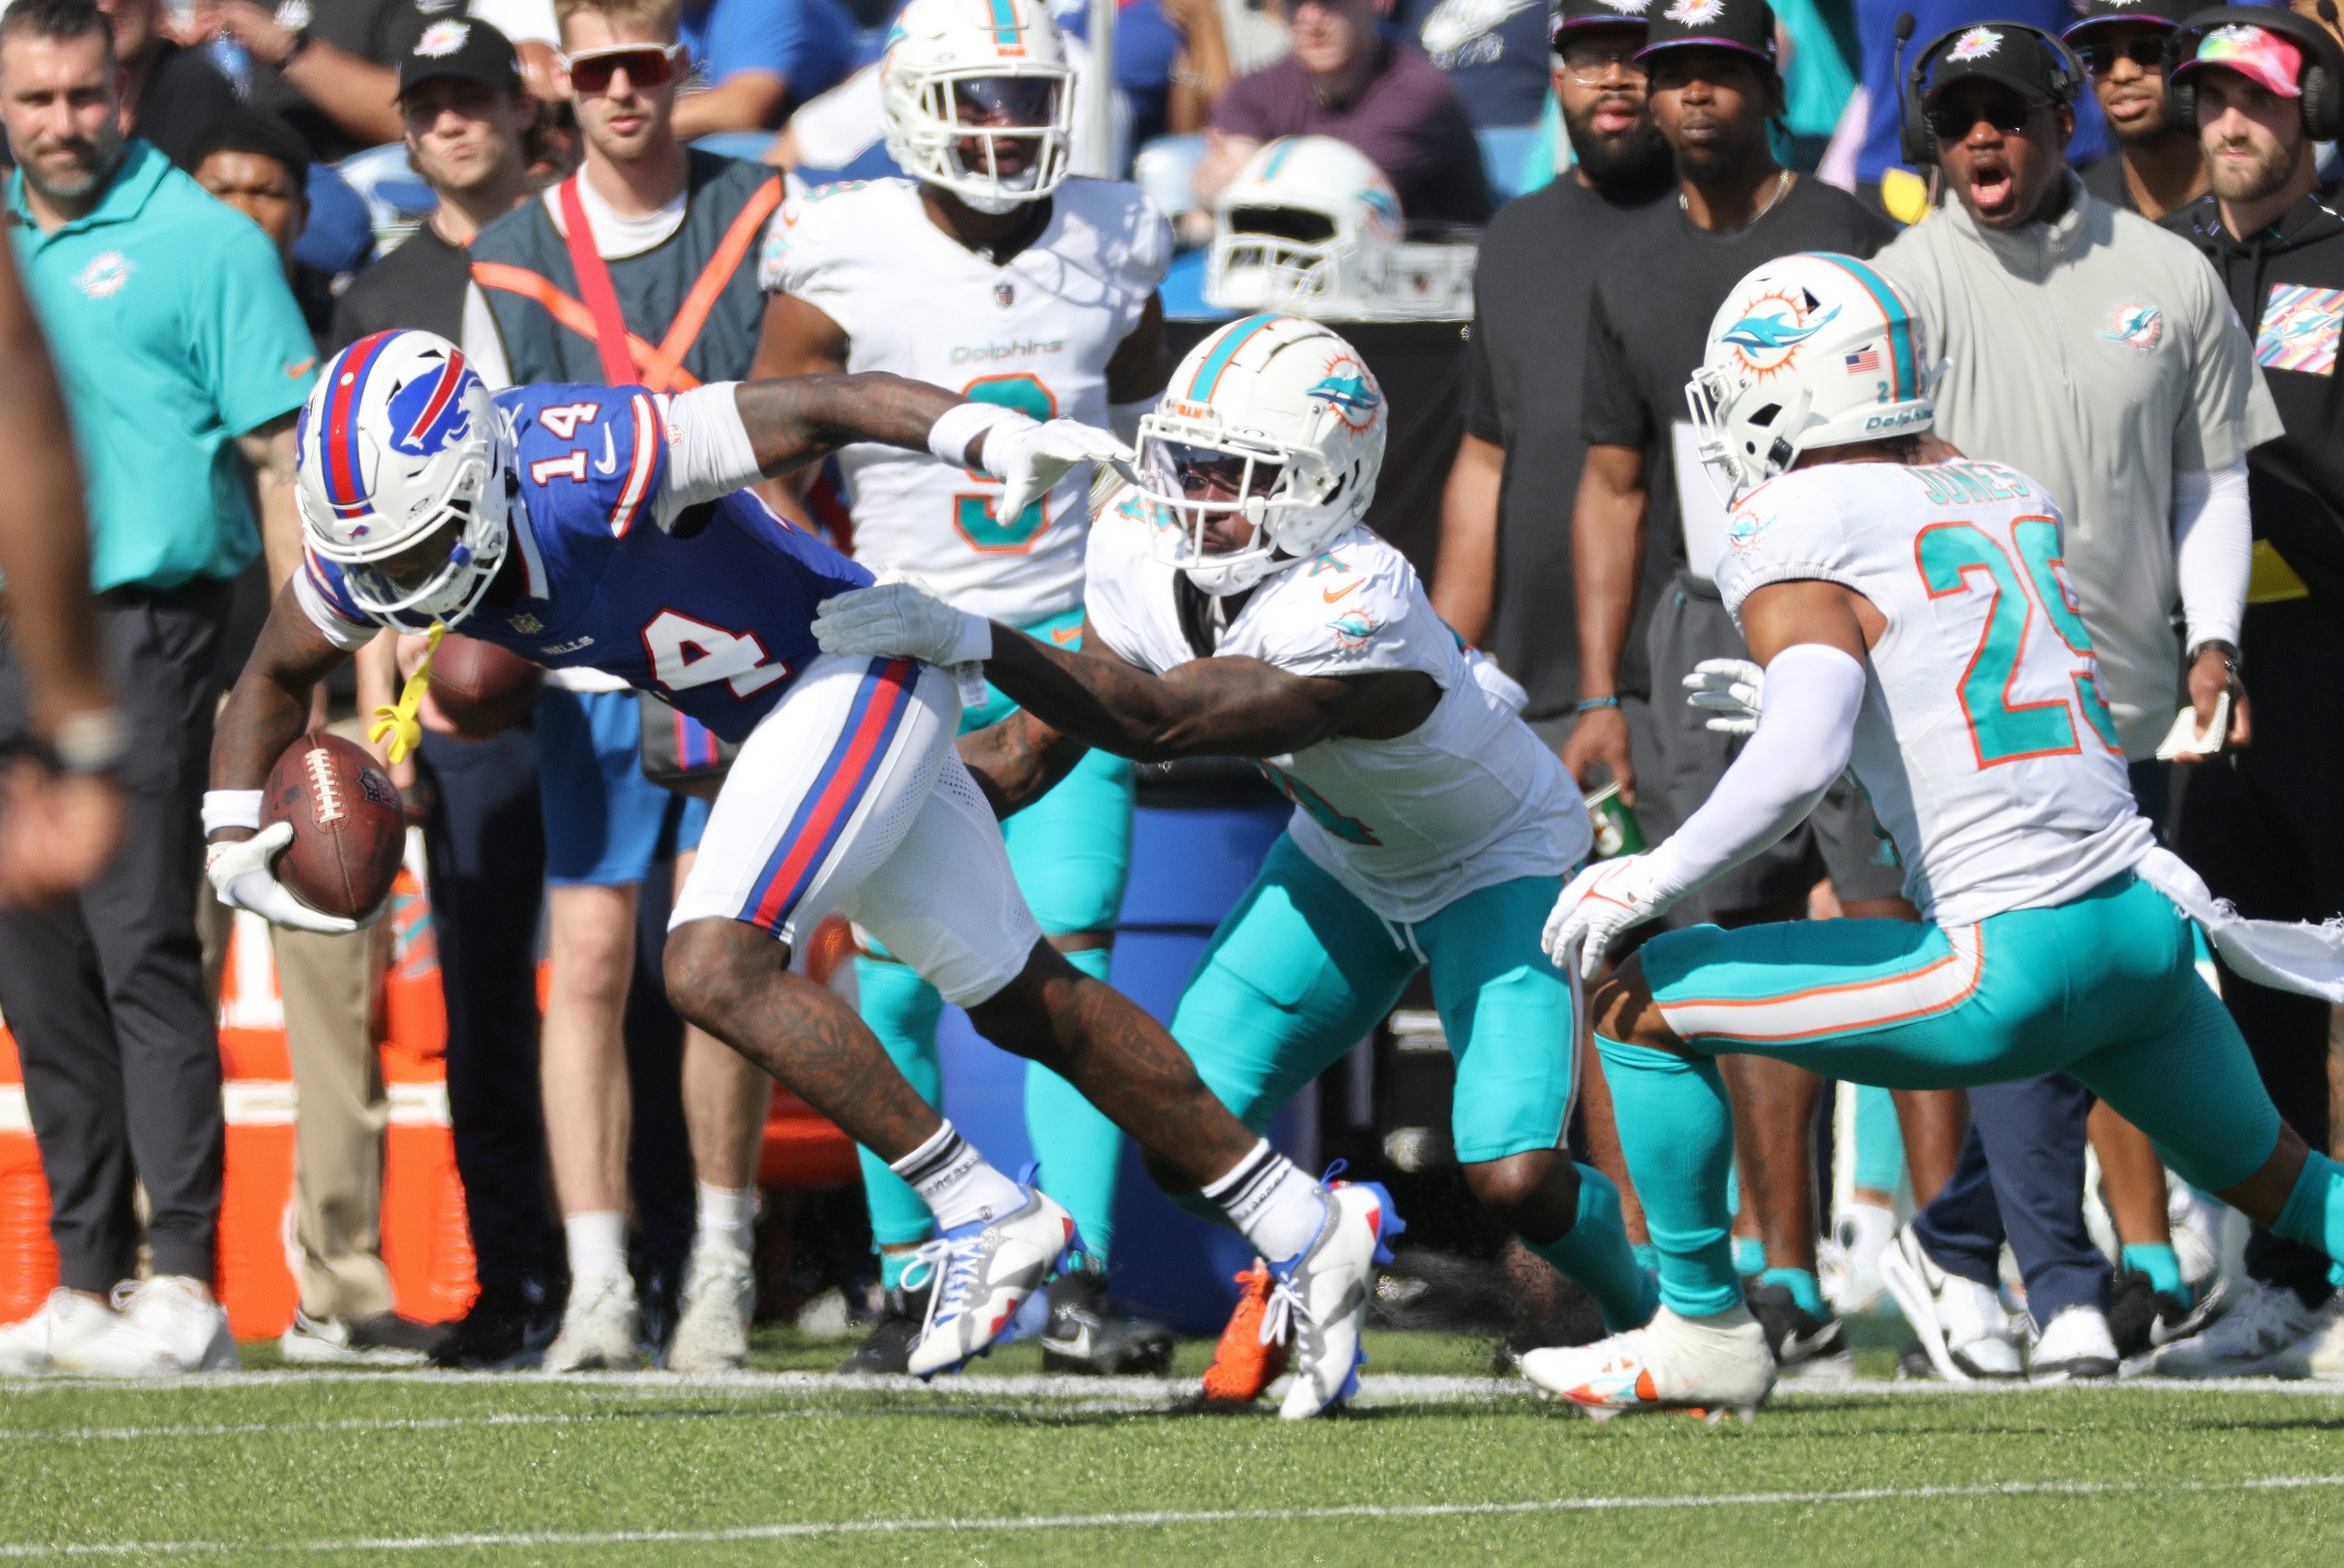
(1028, 458)
(241, 874)
(1599, 904)
(1732, 692)
(902, 620)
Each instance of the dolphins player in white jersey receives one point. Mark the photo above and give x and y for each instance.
(1237, 608)
(1917, 618)
(993, 273)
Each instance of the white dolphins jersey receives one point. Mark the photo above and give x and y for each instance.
(1035, 333)
(1469, 799)
(1984, 739)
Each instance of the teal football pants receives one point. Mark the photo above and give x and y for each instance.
(2104, 988)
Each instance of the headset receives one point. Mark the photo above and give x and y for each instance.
(1913, 138)
(2323, 69)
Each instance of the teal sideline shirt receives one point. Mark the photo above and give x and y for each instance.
(174, 332)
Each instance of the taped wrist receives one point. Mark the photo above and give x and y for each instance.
(960, 424)
(231, 808)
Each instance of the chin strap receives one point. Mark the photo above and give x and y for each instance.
(398, 721)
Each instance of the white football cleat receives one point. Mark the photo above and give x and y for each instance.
(711, 1332)
(2251, 1340)
(599, 1329)
(2075, 1347)
(178, 1315)
(1320, 1296)
(80, 1335)
(1960, 1322)
(1712, 1364)
(983, 1273)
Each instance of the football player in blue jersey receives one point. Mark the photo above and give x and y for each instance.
(605, 526)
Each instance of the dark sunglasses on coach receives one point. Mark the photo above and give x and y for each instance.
(2147, 53)
(646, 65)
(2005, 111)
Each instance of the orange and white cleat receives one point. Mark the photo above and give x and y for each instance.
(1709, 1365)
(1245, 1362)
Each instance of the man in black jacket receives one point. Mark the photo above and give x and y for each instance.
(2260, 824)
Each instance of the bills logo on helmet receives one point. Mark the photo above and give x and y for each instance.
(1767, 335)
(426, 414)
(1347, 386)
(1975, 45)
(2136, 325)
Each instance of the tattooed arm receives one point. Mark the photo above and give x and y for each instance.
(793, 420)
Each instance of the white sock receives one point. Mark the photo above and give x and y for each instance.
(1870, 1230)
(728, 1218)
(1268, 1197)
(598, 1246)
(953, 1180)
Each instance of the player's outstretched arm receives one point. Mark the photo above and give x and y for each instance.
(270, 700)
(1018, 761)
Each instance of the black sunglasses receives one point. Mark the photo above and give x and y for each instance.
(2005, 111)
(2147, 53)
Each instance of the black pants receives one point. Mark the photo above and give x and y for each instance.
(105, 992)
(2266, 829)
(486, 840)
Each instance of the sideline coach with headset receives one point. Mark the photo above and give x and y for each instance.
(2094, 353)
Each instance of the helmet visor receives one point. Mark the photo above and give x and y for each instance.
(1027, 103)
(1206, 474)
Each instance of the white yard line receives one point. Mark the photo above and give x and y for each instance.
(1027, 1522)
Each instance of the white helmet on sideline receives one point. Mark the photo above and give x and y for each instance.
(1307, 223)
(1275, 418)
(400, 440)
(990, 71)
(1809, 350)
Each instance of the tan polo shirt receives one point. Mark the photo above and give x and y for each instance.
(2096, 355)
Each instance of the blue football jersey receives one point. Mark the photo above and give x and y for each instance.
(715, 617)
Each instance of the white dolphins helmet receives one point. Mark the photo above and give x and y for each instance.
(1307, 222)
(992, 71)
(1809, 350)
(1277, 420)
(399, 442)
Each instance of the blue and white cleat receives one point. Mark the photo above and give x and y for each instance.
(1710, 1364)
(1322, 1294)
(981, 1274)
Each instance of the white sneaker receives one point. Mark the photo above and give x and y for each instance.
(2320, 1353)
(597, 1329)
(981, 1273)
(176, 1313)
(1321, 1295)
(79, 1334)
(1960, 1322)
(2266, 1321)
(1847, 1265)
(720, 1292)
(332, 1342)
(2075, 1348)
(1715, 1364)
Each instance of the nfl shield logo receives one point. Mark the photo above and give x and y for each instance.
(1004, 295)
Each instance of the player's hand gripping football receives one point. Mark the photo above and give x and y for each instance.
(242, 873)
(1599, 904)
(902, 620)
(1028, 458)
(1731, 692)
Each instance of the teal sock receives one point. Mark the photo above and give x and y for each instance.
(2314, 1214)
(1749, 1253)
(1805, 1293)
(1081, 1151)
(1879, 1156)
(1647, 1256)
(1677, 1131)
(2157, 1259)
(903, 1010)
(1595, 1253)
(891, 1268)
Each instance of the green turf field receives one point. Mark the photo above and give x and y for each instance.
(1441, 1465)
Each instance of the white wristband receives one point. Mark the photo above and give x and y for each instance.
(958, 426)
(231, 808)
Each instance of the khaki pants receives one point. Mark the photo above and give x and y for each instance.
(329, 984)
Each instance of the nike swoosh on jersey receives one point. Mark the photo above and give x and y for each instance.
(1331, 594)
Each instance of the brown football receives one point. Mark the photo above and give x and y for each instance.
(348, 830)
(484, 690)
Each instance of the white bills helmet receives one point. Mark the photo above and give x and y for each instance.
(400, 443)
(993, 71)
(1809, 350)
(1272, 418)
(1308, 222)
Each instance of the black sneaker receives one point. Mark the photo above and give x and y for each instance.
(1801, 1341)
(506, 1323)
(1085, 1336)
(2141, 1319)
(888, 1349)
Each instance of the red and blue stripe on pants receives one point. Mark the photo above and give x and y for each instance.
(882, 700)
